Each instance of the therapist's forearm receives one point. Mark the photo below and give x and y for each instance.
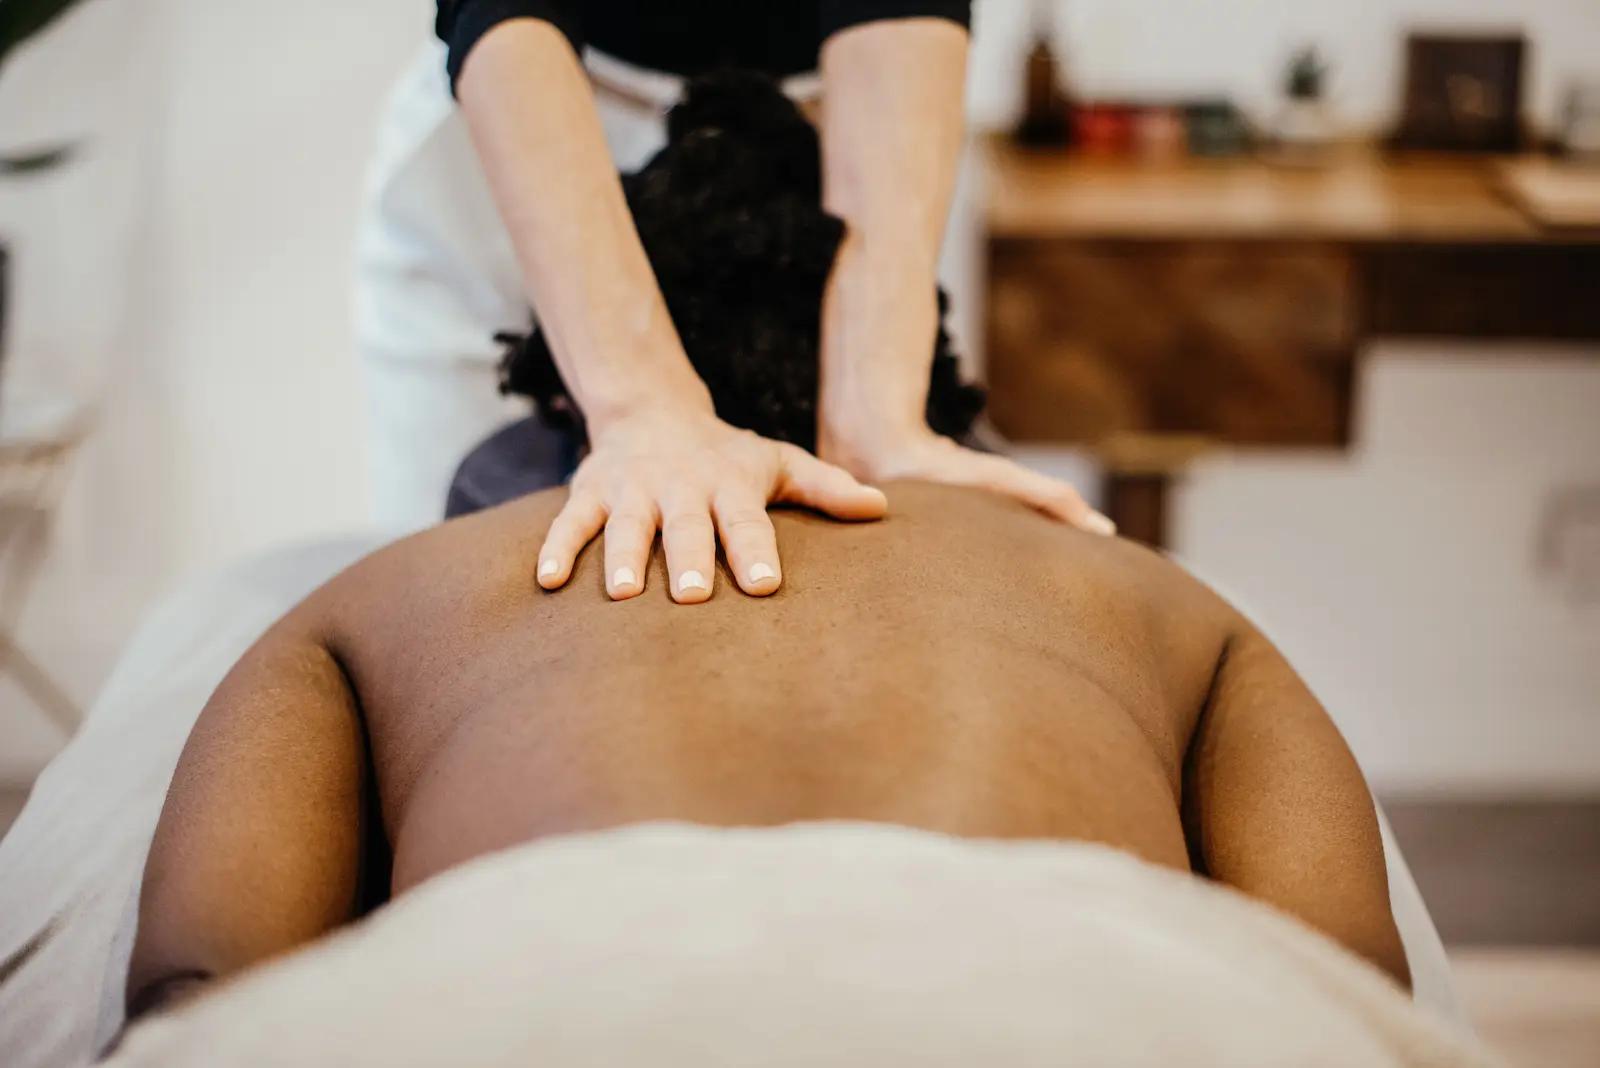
(892, 132)
(533, 121)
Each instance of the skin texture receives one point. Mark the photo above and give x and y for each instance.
(659, 457)
(966, 666)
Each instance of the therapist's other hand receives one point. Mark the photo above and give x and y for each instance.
(922, 454)
(696, 479)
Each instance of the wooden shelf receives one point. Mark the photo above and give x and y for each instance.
(1362, 195)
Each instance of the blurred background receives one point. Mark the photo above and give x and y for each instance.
(1309, 294)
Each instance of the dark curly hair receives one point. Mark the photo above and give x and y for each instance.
(730, 215)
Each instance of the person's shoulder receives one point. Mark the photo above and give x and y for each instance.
(448, 560)
(477, 536)
(1024, 538)
(535, 510)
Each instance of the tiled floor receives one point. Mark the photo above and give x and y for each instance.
(1540, 1008)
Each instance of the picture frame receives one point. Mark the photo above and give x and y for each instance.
(1463, 93)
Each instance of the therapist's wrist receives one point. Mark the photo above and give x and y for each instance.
(867, 442)
(660, 398)
(622, 368)
(880, 322)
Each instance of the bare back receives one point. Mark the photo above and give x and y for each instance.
(964, 665)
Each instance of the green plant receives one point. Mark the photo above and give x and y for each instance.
(21, 19)
(1305, 76)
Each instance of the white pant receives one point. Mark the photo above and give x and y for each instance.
(436, 276)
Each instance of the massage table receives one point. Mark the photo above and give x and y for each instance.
(70, 868)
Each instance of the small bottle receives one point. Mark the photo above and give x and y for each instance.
(1046, 113)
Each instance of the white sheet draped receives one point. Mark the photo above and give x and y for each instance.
(838, 944)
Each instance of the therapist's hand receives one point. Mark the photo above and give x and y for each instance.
(660, 458)
(696, 479)
(920, 453)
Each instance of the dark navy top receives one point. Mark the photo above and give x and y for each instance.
(780, 37)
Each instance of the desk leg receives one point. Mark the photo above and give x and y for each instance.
(1138, 505)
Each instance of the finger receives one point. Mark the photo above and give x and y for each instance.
(691, 548)
(630, 532)
(810, 482)
(577, 524)
(749, 541)
(1049, 495)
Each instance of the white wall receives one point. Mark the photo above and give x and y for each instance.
(1409, 581)
(84, 245)
(192, 272)
(195, 267)
(268, 129)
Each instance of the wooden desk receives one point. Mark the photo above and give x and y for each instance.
(1228, 301)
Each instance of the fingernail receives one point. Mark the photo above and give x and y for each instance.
(548, 568)
(760, 573)
(1100, 524)
(624, 579)
(691, 580)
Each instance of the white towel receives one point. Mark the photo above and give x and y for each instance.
(833, 944)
